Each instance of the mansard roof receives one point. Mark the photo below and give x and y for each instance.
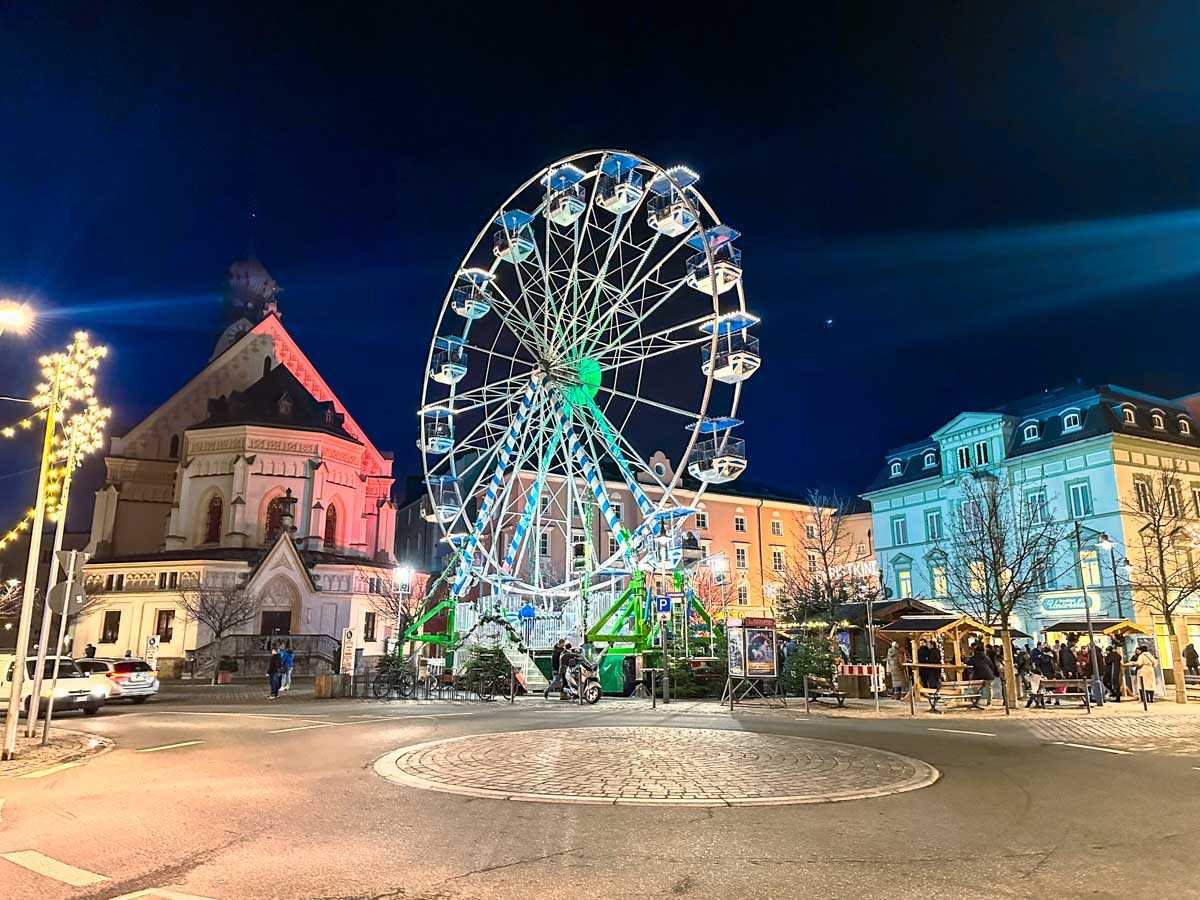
(277, 400)
(1100, 409)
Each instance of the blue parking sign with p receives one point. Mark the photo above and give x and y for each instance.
(662, 604)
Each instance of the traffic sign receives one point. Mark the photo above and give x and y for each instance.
(59, 601)
(662, 604)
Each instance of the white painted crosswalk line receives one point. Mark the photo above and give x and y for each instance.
(1090, 747)
(961, 731)
(52, 868)
(169, 746)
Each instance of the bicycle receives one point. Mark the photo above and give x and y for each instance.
(397, 681)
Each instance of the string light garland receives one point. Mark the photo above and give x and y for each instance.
(25, 424)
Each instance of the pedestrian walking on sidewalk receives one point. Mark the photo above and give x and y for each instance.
(895, 665)
(1191, 659)
(275, 670)
(983, 669)
(1144, 675)
(289, 662)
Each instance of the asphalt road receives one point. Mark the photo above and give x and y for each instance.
(281, 800)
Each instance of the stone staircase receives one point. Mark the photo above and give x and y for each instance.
(535, 681)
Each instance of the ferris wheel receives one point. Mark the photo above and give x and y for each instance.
(601, 307)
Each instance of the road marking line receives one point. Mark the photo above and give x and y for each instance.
(42, 773)
(1, 809)
(1090, 747)
(161, 894)
(169, 746)
(960, 731)
(52, 868)
(184, 712)
(366, 721)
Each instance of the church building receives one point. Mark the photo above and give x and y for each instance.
(252, 478)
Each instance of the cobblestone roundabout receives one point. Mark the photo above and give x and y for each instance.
(667, 766)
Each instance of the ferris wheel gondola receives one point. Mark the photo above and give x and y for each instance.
(570, 327)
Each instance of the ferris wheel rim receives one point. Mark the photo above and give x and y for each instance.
(696, 203)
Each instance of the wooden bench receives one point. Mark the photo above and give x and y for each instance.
(816, 688)
(965, 693)
(1059, 689)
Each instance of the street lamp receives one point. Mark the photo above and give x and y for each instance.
(1102, 542)
(15, 317)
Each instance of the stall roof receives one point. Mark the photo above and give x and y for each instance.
(933, 625)
(1099, 626)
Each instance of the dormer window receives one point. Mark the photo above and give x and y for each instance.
(1130, 417)
(1157, 420)
(930, 459)
(896, 468)
(1185, 427)
(1030, 432)
(1071, 421)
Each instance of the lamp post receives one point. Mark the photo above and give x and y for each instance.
(1097, 689)
(1106, 543)
(68, 377)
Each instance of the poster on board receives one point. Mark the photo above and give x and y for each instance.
(735, 636)
(760, 652)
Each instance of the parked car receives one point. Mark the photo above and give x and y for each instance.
(127, 679)
(76, 689)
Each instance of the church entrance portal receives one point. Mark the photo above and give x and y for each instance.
(276, 622)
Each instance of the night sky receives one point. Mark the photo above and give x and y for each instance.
(986, 201)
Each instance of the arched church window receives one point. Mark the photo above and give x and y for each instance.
(266, 365)
(212, 521)
(331, 528)
(275, 510)
(174, 446)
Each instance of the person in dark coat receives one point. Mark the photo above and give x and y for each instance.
(1066, 661)
(983, 669)
(275, 670)
(555, 658)
(1113, 667)
(1192, 659)
(935, 658)
(1044, 662)
(923, 659)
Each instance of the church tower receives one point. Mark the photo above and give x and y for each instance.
(249, 298)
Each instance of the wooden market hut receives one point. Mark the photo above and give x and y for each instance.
(941, 627)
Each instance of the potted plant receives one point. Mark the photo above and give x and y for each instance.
(225, 669)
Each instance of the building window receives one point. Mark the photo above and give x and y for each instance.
(1031, 431)
(776, 528)
(1185, 427)
(108, 582)
(1173, 499)
(545, 502)
(111, 629)
(660, 470)
(331, 523)
(544, 544)
(938, 580)
(810, 531)
(933, 524)
(777, 559)
(1129, 415)
(274, 523)
(970, 515)
(739, 524)
(814, 563)
(164, 625)
(1071, 421)
(702, 520)
(930, 459)
(172, 580)
(1080, 494)
(904, 583)
(212, 521)
(897, 468)
(981, 453)
(1196, 500)
(369, 627)
(1156, 419)
(1035, 505)
(743, 594)
(162, 581)
(964, 457)
(119, 585)
(899, 530)
(618, 510)
(1089, 565)
(739, 554)
(613, 546)
(174, 446)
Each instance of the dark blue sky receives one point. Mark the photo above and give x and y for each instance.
(987, 201)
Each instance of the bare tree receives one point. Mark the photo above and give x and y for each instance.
(221, 608)
(713, 594)
(822, 568)
(10, 598)
(998, 552)
(1162, 565)
(400, 604)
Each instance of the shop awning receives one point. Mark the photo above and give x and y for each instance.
(933, 624)
(1108, 627)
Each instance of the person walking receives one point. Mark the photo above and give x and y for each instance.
(983, 669)
(275, 669)
(1191, 659)
(289, 663)
(895, 667)
(527, 614)
(1113, 666)
(922, 661)
(1144, 675)
(555, 657)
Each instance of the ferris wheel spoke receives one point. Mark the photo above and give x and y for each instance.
(623, 330)
(516, 321)
(618, 447)
(648, 346)
(686, 413)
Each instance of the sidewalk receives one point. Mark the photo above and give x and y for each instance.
(249, 691)
(65, 747)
